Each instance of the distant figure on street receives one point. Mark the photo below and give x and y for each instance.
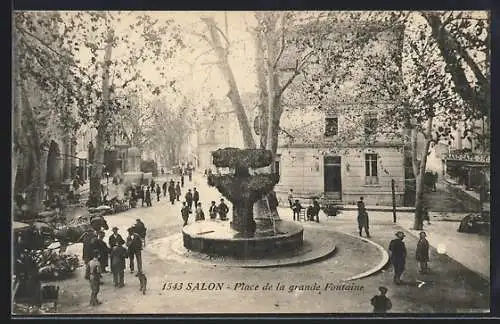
(213, 211)
(397, 255)
(148, 198)
(164, 187)
(178, 190)
(190, 175)
(158, 192)
(205, 173)
(380, 302)
(426, 216)
(118, 256)
(422, 253)
(290, 198)
(182, 178)
(196, 196)
(162, 171)
(171, 192)
(103, 251)
(363, 221)
(94, 278)
(200, 215)
(152, 185)
(296, 207)
(185, 213)
(189, 200)
(134, 245)
(141, 229)
(222, 209)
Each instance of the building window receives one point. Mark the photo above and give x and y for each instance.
(371, 174)
(370, 123)
(331, 126)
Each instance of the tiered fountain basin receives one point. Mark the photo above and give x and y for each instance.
(218, 238)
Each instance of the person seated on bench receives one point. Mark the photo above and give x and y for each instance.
(313, 211)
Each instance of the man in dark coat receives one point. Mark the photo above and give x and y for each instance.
(103, 251)
(171, 192)
(422, 253)
(222, 209)
(397, 254)
(178, 191)
(182, 178)
(141, 229)
(185, 213)
(381, 303)
(212, 211)
(190, 175)
(189, 200)
(89, 245)
(296, 207)
(363, 221)
(164, 187)
(196, 196)
(94, 278)
(118, 255)
(134, 245)
(142, 195)
(148, 198)
(158, 192)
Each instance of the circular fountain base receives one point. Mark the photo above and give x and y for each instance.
(217, 238)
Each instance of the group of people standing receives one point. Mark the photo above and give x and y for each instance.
(98, 255)
(312, 212)
(193, 198)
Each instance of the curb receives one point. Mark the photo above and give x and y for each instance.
(378, 267)
(280, 264)
(463, 265)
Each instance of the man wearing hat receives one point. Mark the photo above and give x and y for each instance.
(95, 278)
(397, 255)
(380, 303)
(115, 238)
(118, 256)
(134, 245)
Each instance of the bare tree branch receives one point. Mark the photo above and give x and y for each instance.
(282, 48)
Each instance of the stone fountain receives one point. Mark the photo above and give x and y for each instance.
(243, 237)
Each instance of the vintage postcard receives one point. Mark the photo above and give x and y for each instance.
(267, 162)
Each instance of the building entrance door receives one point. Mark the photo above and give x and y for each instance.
(332, 176)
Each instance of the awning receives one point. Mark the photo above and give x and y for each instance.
(19, 226)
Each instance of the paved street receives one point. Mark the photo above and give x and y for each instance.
(458, 287)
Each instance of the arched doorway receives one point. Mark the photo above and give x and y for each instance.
(53, 164)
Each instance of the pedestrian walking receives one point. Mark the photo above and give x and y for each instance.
(104, 250)
(381, 303)
(426, 216)
(152, 185)
(118, 255)
(162, 171)
(196, 196)
(164, 186)
(141, 229)
(182, 178)
(171, 192)
(422, 253)
(148, 198)
(185, 213)
(363, 222)
(178, 190)
(200, 215)
(158, 192)
(212, 211)
(189, 200)
(190, 175)
(89, 245)
(134, 247)
(95, 278)
(296, 207)
(397, 255)
(222, 209)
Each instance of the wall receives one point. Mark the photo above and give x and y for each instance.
(305, 174)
